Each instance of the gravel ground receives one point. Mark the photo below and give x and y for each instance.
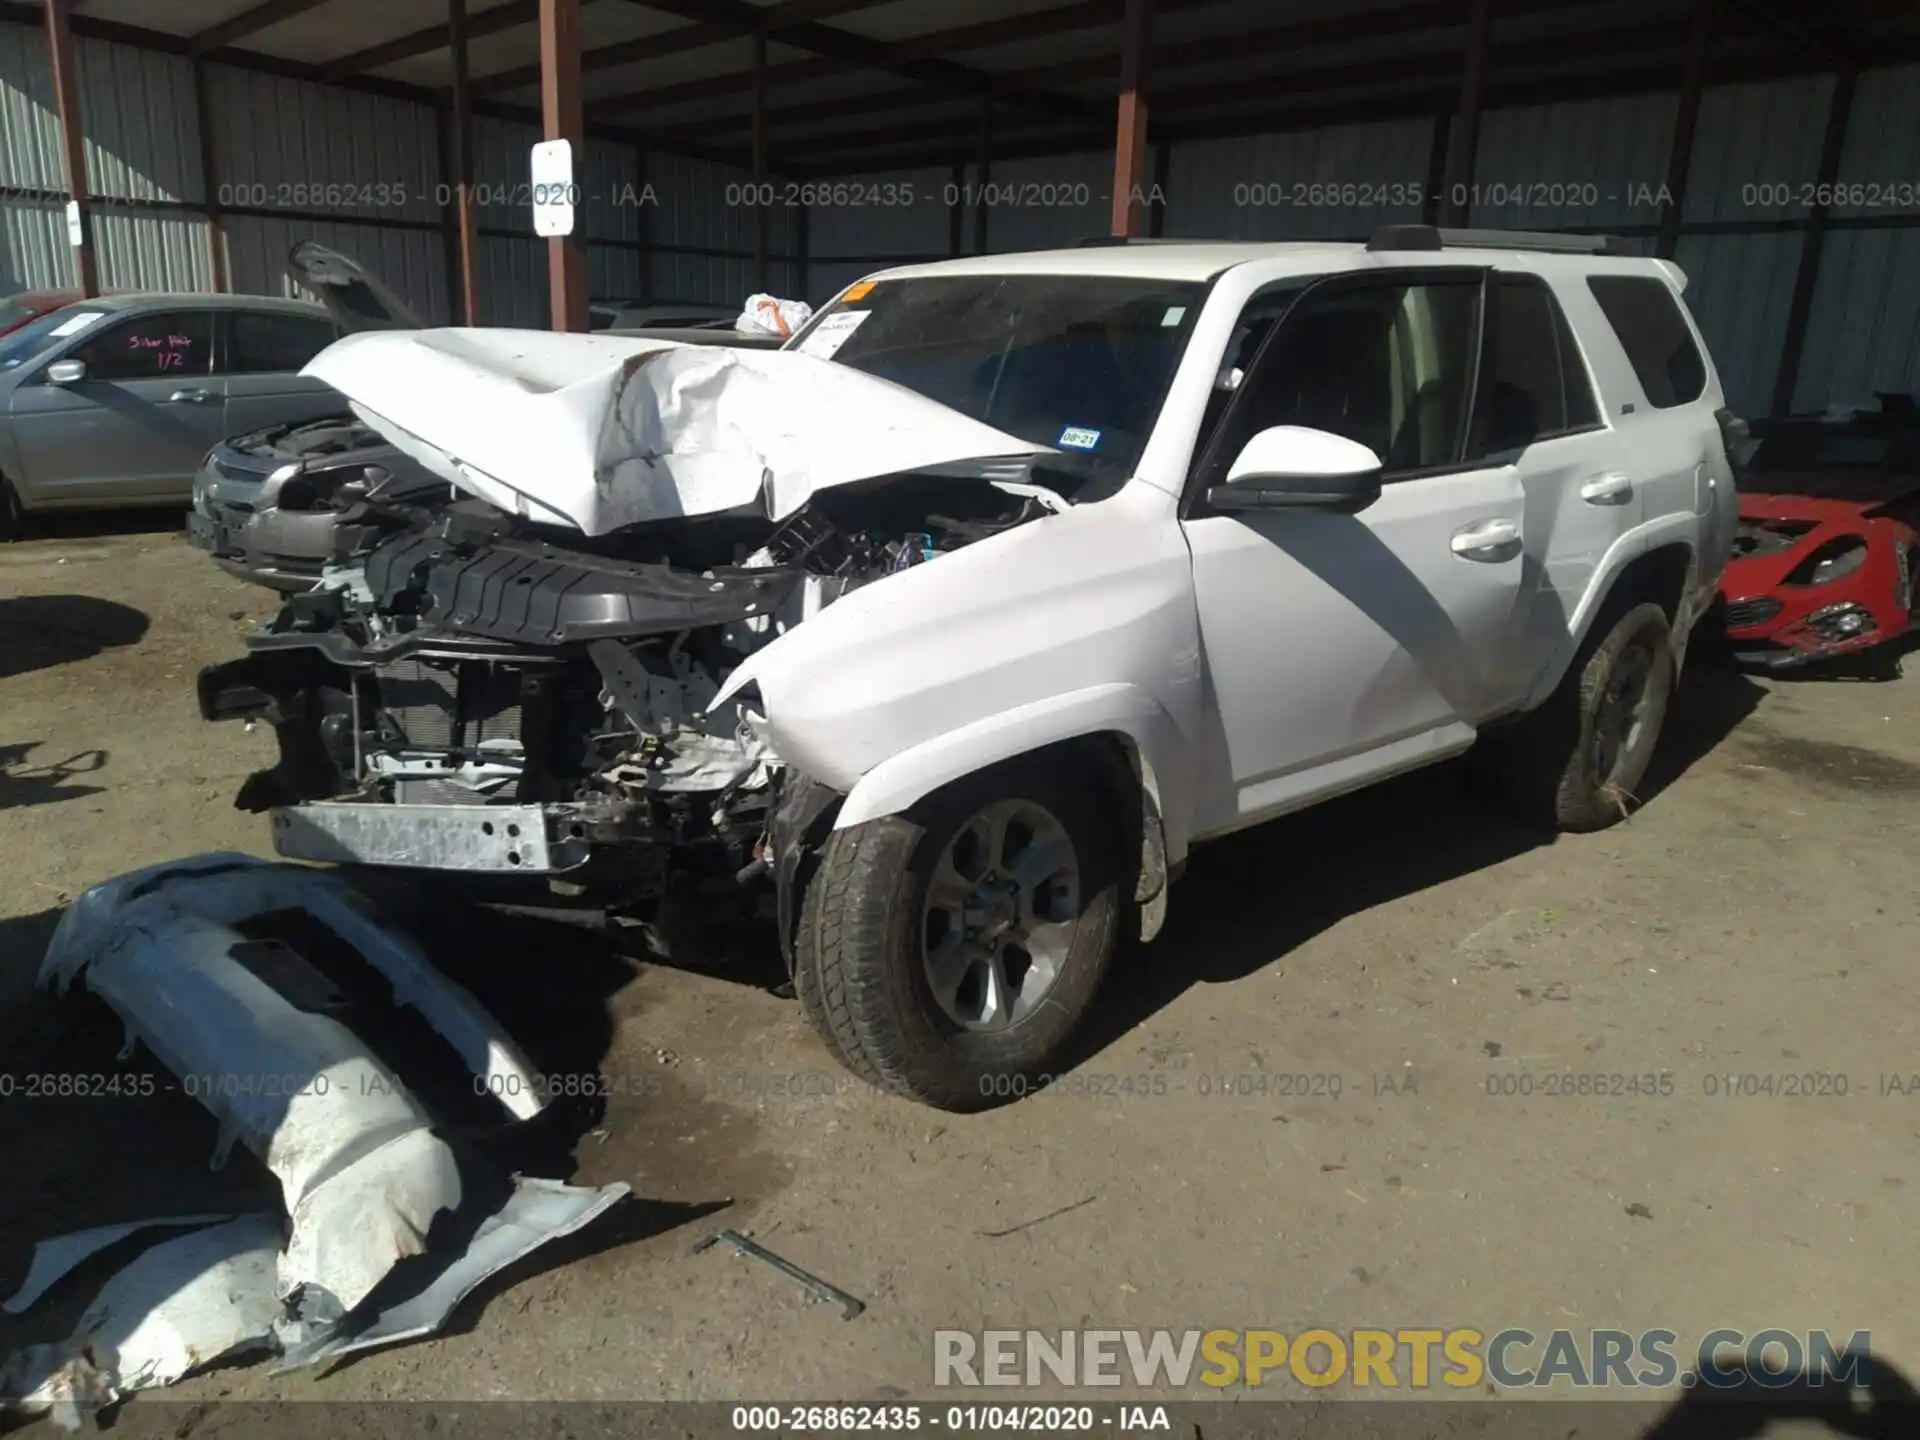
(1758, 916)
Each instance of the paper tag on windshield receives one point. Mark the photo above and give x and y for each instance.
(74, 324)
(832, 332)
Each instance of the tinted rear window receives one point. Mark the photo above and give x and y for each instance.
(1647, 319)
(1532, 384)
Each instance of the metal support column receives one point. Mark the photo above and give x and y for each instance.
(1463, 130)
(1807, 279)
(762, 206)
(1686, 120)
(956, 208)
(210, 183)
(1130, 136)
(466, 227)
(66, 100)
(562, 111)
(982, 176)
(1162, 173)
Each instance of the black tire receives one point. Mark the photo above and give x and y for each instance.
(859, 968)
(1556, 767)
(13, 519)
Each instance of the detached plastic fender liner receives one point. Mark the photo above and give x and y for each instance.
(900, 781)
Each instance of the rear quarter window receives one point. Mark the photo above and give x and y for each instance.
(1646, 318)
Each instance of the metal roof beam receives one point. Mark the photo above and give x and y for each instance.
(248, 22)
(697, 36)
(160, 42)
(861, 52)
(1426, 74)
(981, 35)
(509, 16)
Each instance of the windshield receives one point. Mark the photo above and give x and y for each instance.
(33, 337)
(1078, 363)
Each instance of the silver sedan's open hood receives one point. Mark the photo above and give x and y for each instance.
(600, 432)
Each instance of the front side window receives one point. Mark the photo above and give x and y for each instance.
(151, 347)
(1645, 315)
(1074, 362)
(1387, 364)
(19, 346)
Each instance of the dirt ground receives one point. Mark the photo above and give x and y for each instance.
(1758, 916)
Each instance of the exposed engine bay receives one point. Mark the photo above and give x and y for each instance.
(484, 693)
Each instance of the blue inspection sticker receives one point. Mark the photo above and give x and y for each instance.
(1075, 437)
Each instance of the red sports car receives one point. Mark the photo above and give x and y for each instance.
(1825, 559)
(17, 309)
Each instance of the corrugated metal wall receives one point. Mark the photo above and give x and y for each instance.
(1048, 200)
(361, 172)
(880, 220)
(1583, 164)
(1335, 184)
(1864, 332)
(367, 172)
(141, 147)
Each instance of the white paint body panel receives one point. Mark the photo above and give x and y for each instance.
(1288, 657)
(1069, 625)
(599, 432)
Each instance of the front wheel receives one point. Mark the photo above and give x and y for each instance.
(13, 518)
(950, 953)
(1577, 762)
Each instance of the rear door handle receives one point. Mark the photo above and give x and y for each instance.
(1613, 488)
(190, 397)
(1485, 540)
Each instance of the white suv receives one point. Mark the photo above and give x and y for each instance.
(1380, 500)
(962, 620)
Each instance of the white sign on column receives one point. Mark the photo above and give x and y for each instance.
(554, 193)
(76, 232)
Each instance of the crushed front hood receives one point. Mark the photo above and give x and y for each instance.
(599, 432)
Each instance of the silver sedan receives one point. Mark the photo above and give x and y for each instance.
(116, 401)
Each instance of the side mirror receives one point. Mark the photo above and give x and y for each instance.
(66, 372)
(1293, 467)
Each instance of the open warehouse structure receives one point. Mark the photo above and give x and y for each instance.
(725, 147)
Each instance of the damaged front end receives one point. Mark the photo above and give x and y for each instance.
(491, 696)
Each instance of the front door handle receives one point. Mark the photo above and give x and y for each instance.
(1612, 488)
(190, 397)
(1487, 540)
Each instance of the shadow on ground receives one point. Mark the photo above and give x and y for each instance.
(1250, 899)
(23, 784)
(1746, 1402)
(38, 632)
(98, 524)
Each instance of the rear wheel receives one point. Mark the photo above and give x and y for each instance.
(13, 519)
(1577, 761)
(949, 954)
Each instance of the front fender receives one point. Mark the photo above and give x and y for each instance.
(1070, 625)
(904, 779)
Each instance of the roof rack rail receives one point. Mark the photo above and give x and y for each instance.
(1096, 241)
(1432, 237)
